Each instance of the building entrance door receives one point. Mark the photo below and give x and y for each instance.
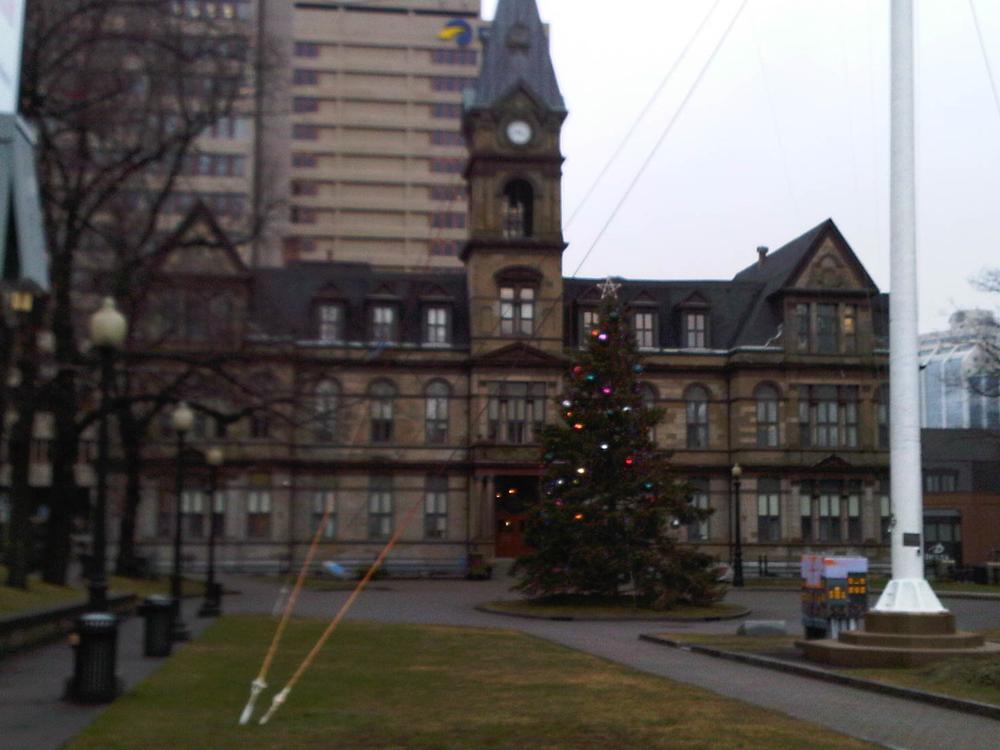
(513, 495)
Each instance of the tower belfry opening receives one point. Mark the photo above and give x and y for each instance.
(519, 209)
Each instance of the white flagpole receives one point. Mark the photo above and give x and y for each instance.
(908, 591)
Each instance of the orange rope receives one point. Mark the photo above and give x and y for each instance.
(260, 683)
(311, 656)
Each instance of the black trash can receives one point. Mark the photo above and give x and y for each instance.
(95, 661)
(158, 617)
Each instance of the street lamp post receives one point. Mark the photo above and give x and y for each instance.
(737, 473)
(183, 420)
(107, 334)
(211, 607)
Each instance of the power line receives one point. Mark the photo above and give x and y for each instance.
(642, 115)
(663, 137)
(986, 59)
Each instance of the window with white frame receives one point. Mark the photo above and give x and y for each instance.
(193, 513)
(695, 330)
(219, 513)
(382, 396)
(517, 310)
(882, 415)
(327, 404)
(436, 508)
(644, 327)
(589, 322)
(437, 325)
(436, 404)
(330, 323)
(380, 517)
(324, 511)
(767, 416)
(696, 412)
(768, 509)
(515, 412)
(258, 514)
(384, 324)
(697, 531)
(828, 416)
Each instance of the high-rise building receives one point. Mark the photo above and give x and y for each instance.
(373, 141)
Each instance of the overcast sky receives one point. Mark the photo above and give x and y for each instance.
(789, 126)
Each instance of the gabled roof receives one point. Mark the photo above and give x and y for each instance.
(200, 214)
(517, 56)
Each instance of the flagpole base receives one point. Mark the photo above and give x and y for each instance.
(909, 595)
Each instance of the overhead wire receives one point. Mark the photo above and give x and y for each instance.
(663, 137)
(986, 58)
(782, 152)
(642, 114)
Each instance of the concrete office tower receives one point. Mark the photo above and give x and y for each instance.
(374, 143)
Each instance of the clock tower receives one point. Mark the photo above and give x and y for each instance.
(512, 124)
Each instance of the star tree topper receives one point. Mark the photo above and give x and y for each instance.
(609, 288)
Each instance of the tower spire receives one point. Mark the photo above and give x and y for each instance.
(517, 55)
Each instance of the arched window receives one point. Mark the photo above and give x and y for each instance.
(767, 416)
(518, 209)
(696, 402)
(436, 413)
(882, 414)
(326, 404)
(382, 395)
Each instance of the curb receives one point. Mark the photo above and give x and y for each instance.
(571, 618)
(970, 595)
(935, 699)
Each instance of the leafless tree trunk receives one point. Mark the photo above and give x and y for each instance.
(120, 92)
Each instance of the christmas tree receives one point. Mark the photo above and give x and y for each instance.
(602, 525)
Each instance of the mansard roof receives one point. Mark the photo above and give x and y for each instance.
(746, 311)
(517, 56)
(284, 298)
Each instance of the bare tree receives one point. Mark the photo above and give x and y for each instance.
(121, 92)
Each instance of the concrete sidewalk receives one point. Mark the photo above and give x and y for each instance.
(33, 715)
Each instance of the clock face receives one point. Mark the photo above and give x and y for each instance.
(519, 132)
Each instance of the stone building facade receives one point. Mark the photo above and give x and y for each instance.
(411, 401)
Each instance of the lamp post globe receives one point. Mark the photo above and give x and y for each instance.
(183, 418)
(108, 326)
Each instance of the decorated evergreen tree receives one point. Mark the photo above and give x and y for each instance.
(602, 524)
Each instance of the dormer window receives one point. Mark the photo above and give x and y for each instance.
(517, 310)
(330, 322)
(437, 325)
(826, 328)
(644, 326)
(385, 329)
(589, 320)
(695, 330)
(518, 210)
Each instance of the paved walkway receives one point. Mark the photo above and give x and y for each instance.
(31, 715)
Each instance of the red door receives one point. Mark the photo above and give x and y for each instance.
(514, 494)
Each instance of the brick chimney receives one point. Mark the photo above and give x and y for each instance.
(761, 255)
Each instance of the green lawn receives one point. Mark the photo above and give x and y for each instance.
(429, 688)
(970, 678)
(973, 679)
(40, 595)
(607, 609)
